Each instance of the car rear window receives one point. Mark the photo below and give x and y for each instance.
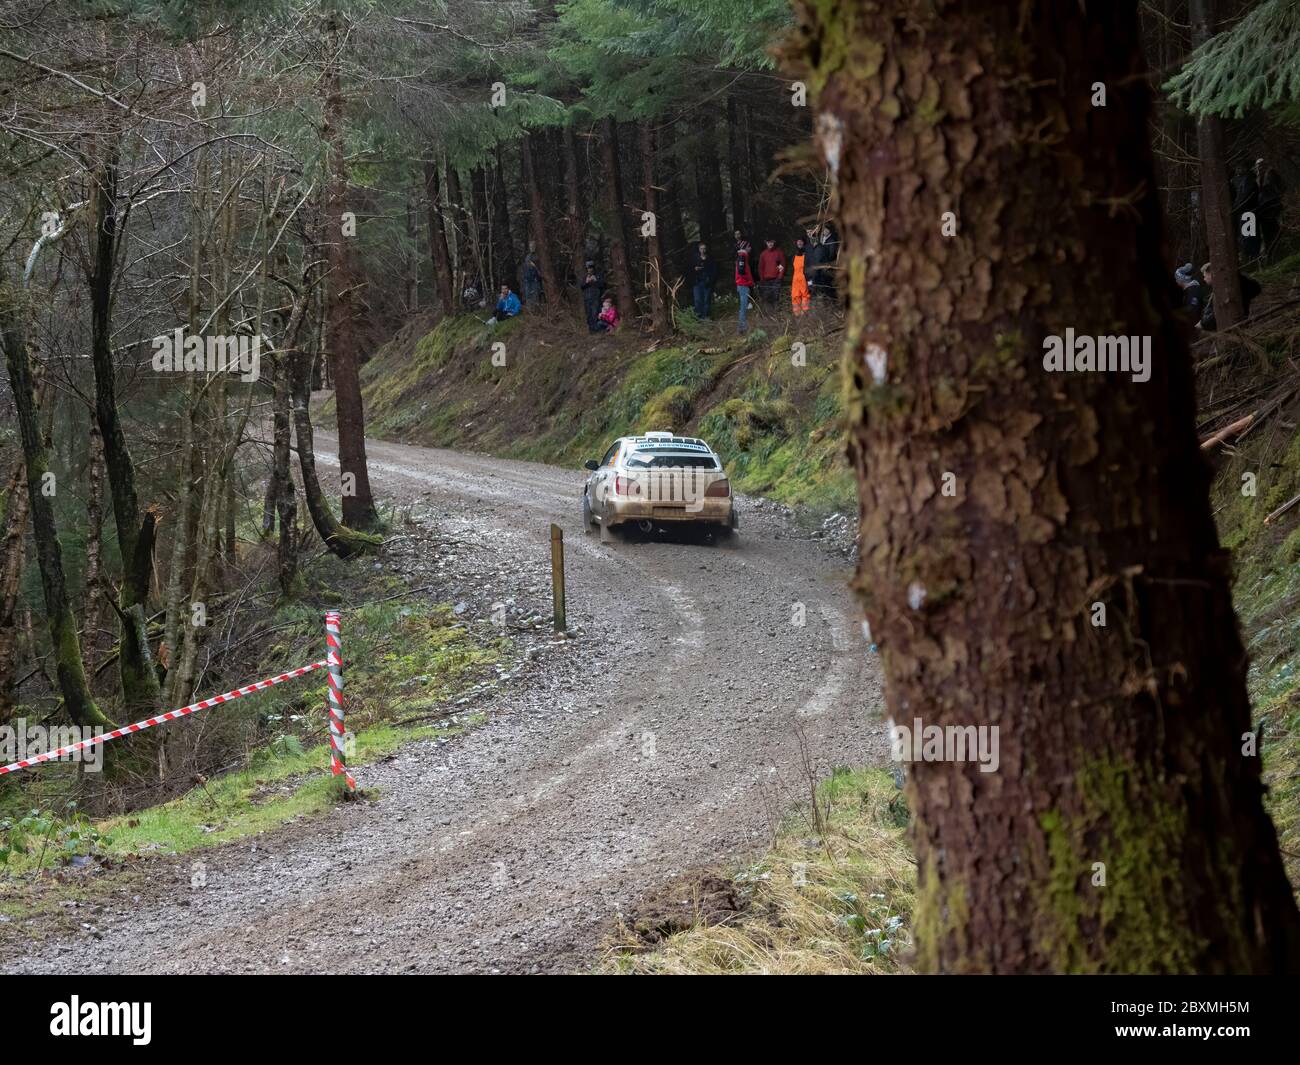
(648, 460)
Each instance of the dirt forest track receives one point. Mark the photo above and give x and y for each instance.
(666, 737)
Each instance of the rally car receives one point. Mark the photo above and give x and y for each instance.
(658, 479)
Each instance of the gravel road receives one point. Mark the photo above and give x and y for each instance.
(661, 739)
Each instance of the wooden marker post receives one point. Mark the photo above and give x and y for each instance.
(557, 576)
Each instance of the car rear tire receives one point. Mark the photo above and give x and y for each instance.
(588, 522)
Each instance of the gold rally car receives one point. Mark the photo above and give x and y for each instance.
(657, 480)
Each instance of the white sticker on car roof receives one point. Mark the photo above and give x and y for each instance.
(675, 445)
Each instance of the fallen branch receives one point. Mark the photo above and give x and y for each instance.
(1282, 509)
(1227, 431)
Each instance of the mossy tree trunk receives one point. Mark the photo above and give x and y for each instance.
(66, 646)
(438, 252)
(13, 549)
(135, 534)
(341, 540)
(1001, 502)
(358, 500)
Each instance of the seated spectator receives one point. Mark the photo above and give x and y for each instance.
(608, 320)
(1193, 292)
(508, 305)
(1250, 288)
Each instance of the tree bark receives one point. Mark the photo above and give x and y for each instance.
(66, 647)
(338, 538)
(708, 188)
(94, 537)
(1216, 193)
(576, 215)
(654, 254)
(466, 266)
(358, 499)
(13, 551)
(673, 244)
(135, 534)
(1002, 502)
(481, 222)
(537, 221)
(618, 257)
(736, 170)
(503, 240)
(438, 252)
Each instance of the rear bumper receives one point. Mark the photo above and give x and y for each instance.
(708, 511)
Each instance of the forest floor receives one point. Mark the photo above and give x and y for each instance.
(672, 733)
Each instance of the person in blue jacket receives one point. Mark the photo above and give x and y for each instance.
(508, 304)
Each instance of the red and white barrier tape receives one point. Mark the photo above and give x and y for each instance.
(171, 715)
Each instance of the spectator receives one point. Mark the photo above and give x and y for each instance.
(799, 298)
(1245, 201)
(1270, 205)
(1249, 290)
(532, 279)
(744, 282)
(1193, 293)
(508, 305)
(608, 319)
(825, 250)
(704, 272)
(470, 295)
(592, 290)
(771, 271)
(741, 245)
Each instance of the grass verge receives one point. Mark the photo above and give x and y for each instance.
(833, 895)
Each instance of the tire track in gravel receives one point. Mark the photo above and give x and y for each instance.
(653, 744)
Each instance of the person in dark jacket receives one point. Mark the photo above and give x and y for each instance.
(593, 287)
(532, 279)
(1250, 288)
(1245, 201)
(825, 247)
(704, 272)
(1193, 292)
(1270, 206)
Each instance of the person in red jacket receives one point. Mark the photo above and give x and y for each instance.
(744, 283)
(607, 321)
(771, 271)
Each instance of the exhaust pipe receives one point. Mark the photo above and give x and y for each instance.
(645, 525)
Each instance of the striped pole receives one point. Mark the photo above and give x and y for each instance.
(334, 700)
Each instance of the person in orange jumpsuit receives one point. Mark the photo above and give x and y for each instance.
(799, 297)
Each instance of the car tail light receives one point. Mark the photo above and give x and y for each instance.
(626, 486)
(719, 488)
